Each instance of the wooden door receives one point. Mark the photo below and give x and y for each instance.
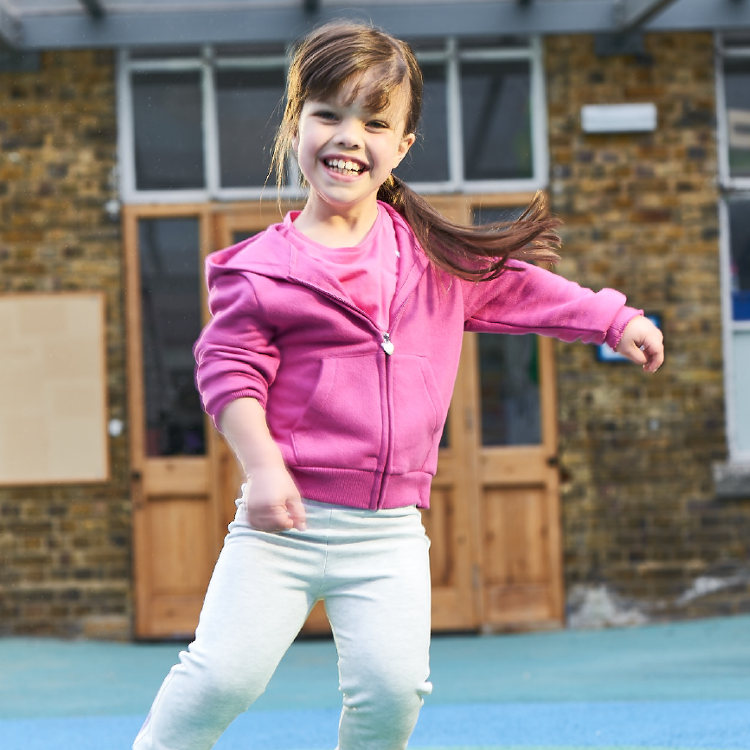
(176, 495)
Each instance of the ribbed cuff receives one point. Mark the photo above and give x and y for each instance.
(617, 327)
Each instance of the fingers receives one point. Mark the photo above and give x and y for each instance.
(642, 342)
(654, 354)
(296, 513)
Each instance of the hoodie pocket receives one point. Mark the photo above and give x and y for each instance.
(418, 415)
(342, 424)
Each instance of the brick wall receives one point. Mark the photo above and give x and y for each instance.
(644, 534)
(65, 564)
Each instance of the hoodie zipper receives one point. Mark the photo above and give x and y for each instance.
(388, 347)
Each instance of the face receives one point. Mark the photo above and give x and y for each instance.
(346, 152)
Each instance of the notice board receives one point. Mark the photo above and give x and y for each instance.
(53, 389)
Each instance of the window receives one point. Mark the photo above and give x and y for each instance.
(733, 87)
(198, 125)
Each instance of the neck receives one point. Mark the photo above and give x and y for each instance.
(333, 226)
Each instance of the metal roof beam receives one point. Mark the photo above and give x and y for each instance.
(94, 8)
(11, 29)
(409, 20)
(632, 13)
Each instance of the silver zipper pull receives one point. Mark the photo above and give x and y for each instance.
(387, 344)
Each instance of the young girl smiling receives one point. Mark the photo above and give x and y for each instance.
(328, 365)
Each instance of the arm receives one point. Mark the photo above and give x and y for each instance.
(530, 299)
(272, 499)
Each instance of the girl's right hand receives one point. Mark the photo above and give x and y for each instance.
(273, 501)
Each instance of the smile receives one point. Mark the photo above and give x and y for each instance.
(343, 166)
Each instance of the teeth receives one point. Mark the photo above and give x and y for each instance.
(349, 166)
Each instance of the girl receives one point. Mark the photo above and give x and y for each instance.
(328, 366)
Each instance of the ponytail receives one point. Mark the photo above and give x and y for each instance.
(475, 253)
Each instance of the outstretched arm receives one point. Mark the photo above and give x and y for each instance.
(272, 499)
(642, 343)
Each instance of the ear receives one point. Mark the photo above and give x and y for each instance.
(295, 143)
(403, 148)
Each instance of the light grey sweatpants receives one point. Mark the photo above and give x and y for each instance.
(369, 567)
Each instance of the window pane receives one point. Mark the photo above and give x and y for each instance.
(171, 319)
(508, 373)
(427, 160)
(168, 126)
(739, 237)
(249, 111)
(491, 214)
(496, 116)
(737, 91)
(509, 384)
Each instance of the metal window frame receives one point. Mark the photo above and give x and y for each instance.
(734, 188)
(451, 56)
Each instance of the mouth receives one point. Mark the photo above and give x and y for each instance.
(347, 167)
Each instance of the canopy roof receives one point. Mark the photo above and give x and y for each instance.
(51, 24)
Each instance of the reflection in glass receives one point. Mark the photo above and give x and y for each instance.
(496, 116)
(249, 112)
(737, 93)
(739, 235)
(427, 161)
(168, 131)
(171, 321)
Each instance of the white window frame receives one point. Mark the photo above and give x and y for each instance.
(207, 61)
(733, 187)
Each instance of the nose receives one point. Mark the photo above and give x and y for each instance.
(349, 134)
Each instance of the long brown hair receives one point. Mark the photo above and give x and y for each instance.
(340, 53)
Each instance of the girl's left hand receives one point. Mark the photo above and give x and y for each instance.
(642, 343)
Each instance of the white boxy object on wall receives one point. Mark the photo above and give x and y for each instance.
(618, 118)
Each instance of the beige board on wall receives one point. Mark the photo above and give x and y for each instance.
(53, 395)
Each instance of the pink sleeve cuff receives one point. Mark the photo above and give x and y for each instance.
(617, 327)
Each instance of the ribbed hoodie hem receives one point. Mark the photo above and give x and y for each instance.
(363, 489)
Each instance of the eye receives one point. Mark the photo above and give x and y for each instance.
(377, 125)
(325, 114)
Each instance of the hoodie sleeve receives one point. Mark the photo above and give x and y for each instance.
(533, 300)
(235, 354)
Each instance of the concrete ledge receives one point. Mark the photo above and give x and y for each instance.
(732, 480)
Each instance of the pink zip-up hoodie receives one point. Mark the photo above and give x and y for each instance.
(357, 411)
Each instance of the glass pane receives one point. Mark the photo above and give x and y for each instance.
(508, 373)
(171, 312)
(492, 214)
(249, 111)
(509, 384)
(737, 92)
(739, 237)
(427, 160)
(496, 116)
(240, 235)
(168, 127)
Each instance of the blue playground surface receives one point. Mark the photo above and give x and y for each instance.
(683, 686)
